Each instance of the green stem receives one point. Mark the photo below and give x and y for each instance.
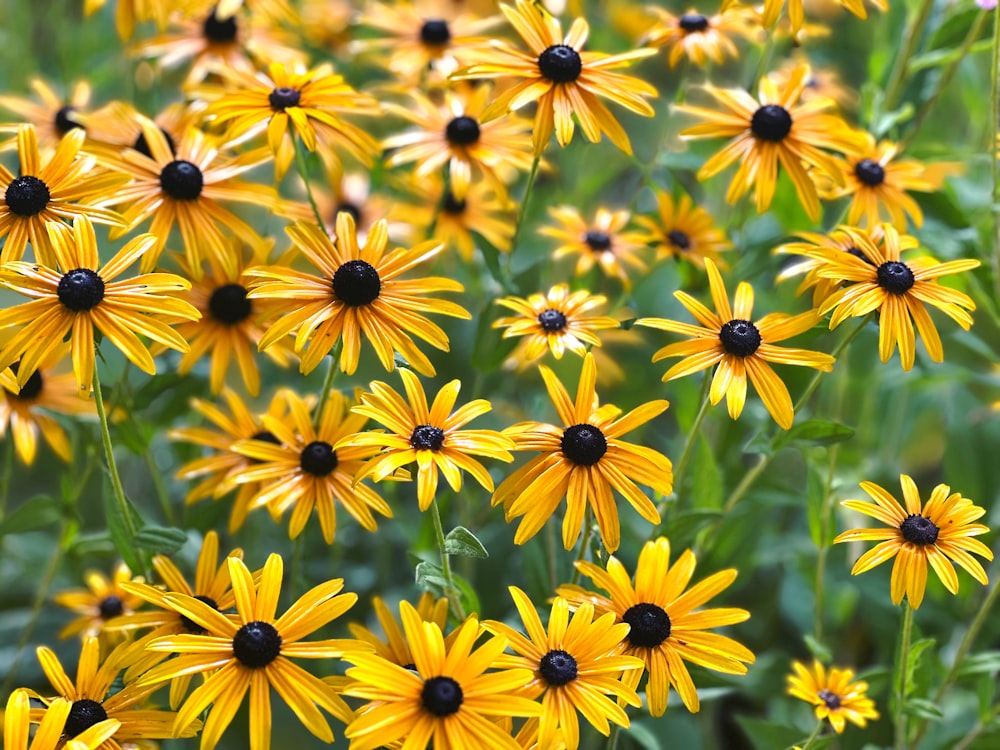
(692, 436)
(159, 486)
(911, 37)
(297, 546)
(992, 151)
(814, 736)
(8, 470)
(303, 170)
(328, 380)
(550, 554)
(523, 208)
(973, 734)
(109, 457)
(826, 512)
(902, 670)
(588, 531)
(613, 737)
(452, 591)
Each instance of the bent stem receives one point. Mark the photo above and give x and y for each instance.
(814, 736)
(451, 590)
(902, 670)
(303, 169)
(109, 457)
(331, 375)
(692, 437)
(523, 209)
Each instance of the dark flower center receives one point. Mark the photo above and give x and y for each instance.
(190, 625)
(597, 241)
(832, 700)
(919, 530)
(80, 290)
(220, 31)
(427, 437)
(691, 22)
(739, 338)
(442, 696)
(452, 206)
(858, 253)
(435, 32)
(679, 239)
(110, 606)
(771, 123)
(256, 644)
(27, 196)
(557, 668)
(31, 389)
(894, 277)
(142, 146)
(650, 625)
(349, 208)
(229, 304)
(551, 320)
(266, 436)
(583, 444)
(82, 716)
(182, 180)
(356, 283)
(462, 131)
(64, 121)
(283, 97)
(560, 63)
(318, 458)
(870, 172)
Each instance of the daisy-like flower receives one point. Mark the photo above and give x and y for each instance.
(937, 533)
(740, 348)
(24, 411)
(52, 115)
(253, 653)
(128, 12)
(564, 80)
(452, 134)
(898, 290)
(821, 82)
(359, 293)
(304, 471)
(577, 666)
(42, 196)
(777, 129)
(582, 459)
(833, 693)
(447, 700)
(683, 230)
(352, 192)
(394, 647)
(667, 626)
(72, 297)
(103, 600)
(796, 10)
(602, 241)
(49, 735)
(556, 321)
(699, 38)
(456, 223)
(429, 436)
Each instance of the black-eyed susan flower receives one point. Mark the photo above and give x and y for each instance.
(564, 80)
(680, 229)
(431, 437)
(50, 733)
(738, 348)
(899, 290)
(774, 130)
(796, 11)
(73, 297)
(557, 320)
(358, 294)
(103, 600)
(667, 625)
(304, 471)
(52, 115)
(352, 192)
(583, 459)
(459, 224)
(447, 700)
(253, 653)
(821, 82)
(129, 12)
(118, 125)
(395, 647)
(697, 37)
(602, 241)
(44, 195)
(934, 534)
(577, 667)
(834, 694)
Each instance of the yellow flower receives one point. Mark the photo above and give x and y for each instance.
(395, 648)
(51, 729)
(697, 37)
(934, 534)
(102, 601)
(796, 11)
(836, 698)
(683, 231)
(602, 241)
(55, 115)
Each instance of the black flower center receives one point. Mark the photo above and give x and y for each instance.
(82, 716)
(442, 696)
(679, 239)
(31, 389)
(739, 338)
(557, 668)
(452, 206)
(691, 22)
(283, 97)
(142, 146)
(597, 241)
(832, 700)
(27, 196)
(229, 304)
(560, 63)
(81, 289)
(919, 530)
(110, 606)
(551, 320)
(870, 172)
(266, 436)
(584, 444)
(894, 277)
(318, 458)
(256, 644)
(356, 283)
(182, 180)
(462, 131)
(771, 123)
(190, 625)
(435, 32)
(349, 208)
(649, 623)
(220, 31)
(858, 253)
(64, 121)
(427, 437)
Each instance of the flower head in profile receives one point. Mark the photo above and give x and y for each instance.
(936, 534)
(697, 37)
(562, 78)
(447, 699)
(667, 626)
(682, 230)
(51, 733)
(104, 599)
(583, 459)
(602, 241)
(833, 694)
(738, 348)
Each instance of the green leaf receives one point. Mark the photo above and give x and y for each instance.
(940, 58)
(160, 539)
(683, 527)
(986, 690)
(954, 29)
(925, 709)
(985, 662)
(36, 513)
(707, 481)
(430, 576)
(118, 529)
(817, 649)
(461, 541)
(643, 736)
(814, 432)
(913, 660)
(765, 733)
